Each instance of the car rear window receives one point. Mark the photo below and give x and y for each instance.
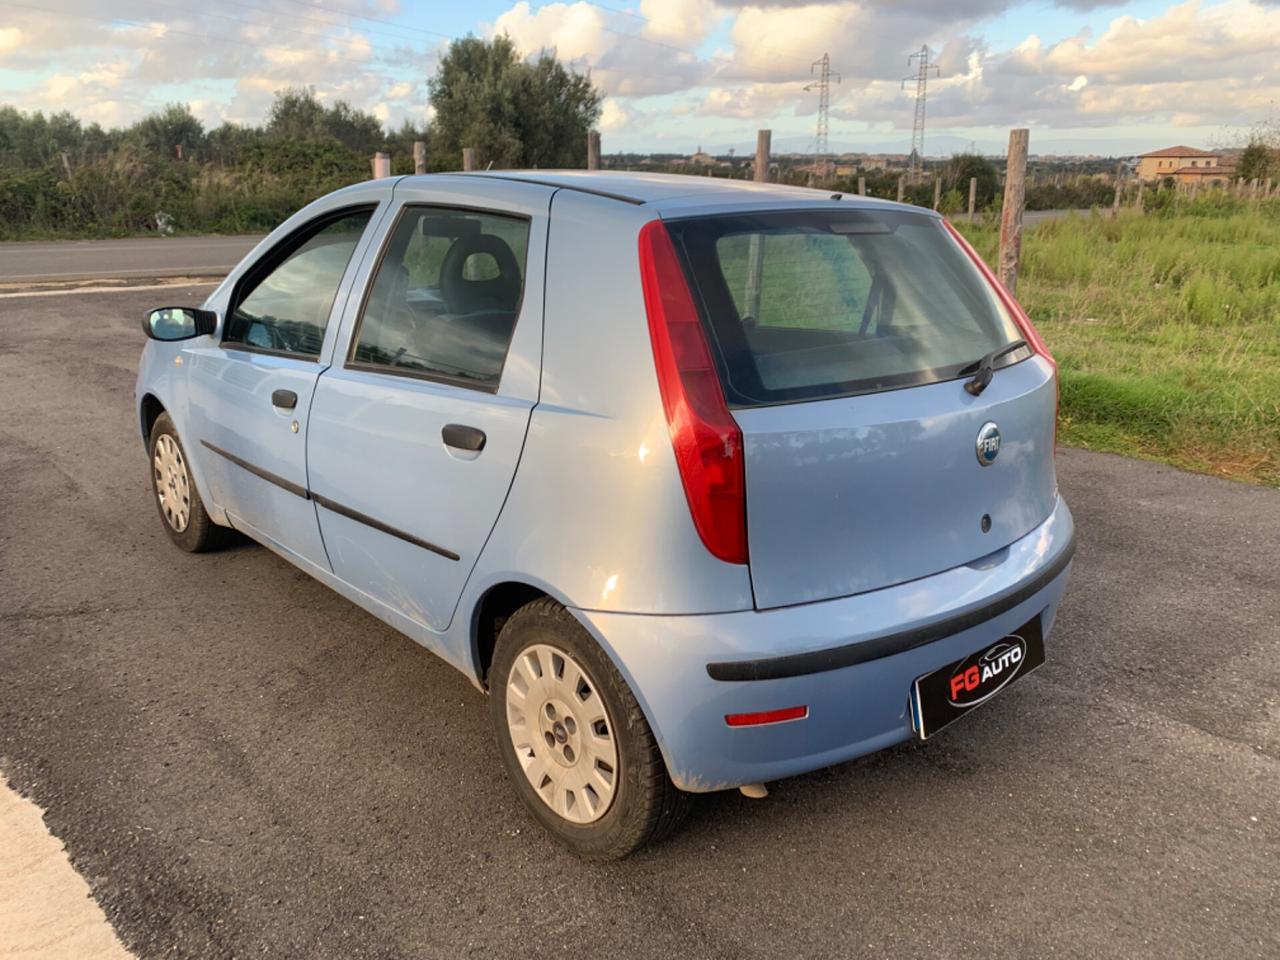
(811, 305)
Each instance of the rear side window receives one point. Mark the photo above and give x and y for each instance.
(444, 301)
(283, 304)
(824, 304)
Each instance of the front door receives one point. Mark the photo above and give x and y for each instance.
(415, 433)
(251, 393)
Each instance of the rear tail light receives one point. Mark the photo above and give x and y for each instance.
(706, 439)
(1025, 326)
(766, 716)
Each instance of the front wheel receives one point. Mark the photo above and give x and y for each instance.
(573, 738)
(181, 509)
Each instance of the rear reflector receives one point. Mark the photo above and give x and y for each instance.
(706, 438)
(766, 716)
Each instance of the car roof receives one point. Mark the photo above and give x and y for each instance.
(669, 191)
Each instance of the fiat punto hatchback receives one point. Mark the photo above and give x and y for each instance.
(706, 483)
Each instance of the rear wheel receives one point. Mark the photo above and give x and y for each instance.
(181, 509)
(573, 738)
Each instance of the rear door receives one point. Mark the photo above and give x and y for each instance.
(415, 432)
(251, 392)
(843, 338)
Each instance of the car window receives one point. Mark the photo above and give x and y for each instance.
(804, 306)
(444, 301)
(287, 309)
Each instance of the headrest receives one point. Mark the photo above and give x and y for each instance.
(462, 295)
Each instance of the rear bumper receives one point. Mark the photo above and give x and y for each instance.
(850, 661)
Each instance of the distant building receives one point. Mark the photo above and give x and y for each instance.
(1223, 172)
(701, 159)
(1171, 161)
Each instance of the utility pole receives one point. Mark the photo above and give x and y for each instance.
(823, 86)
(921, 78)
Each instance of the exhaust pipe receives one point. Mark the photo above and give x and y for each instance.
(756, 791)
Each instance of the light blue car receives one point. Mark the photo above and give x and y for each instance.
(706, 483)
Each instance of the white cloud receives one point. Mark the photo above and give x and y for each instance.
(10, 39)
(1195, 63)
(614, 116)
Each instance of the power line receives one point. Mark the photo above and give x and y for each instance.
(922, 94)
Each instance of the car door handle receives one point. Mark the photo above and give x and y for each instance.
(284, 399)
(461, 437)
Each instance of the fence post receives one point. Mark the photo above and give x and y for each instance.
(381, 165)
(900, 189)
(1115, 203)
(419, 157)
(1138, 200)
(468, 158)
(764, 140)
(593, 149)
(973, 197)
(755, 248)
(1011, 212)
(937, 192)
(862, 186)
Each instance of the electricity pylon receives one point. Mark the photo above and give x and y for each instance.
(922, 94)
(823, 86)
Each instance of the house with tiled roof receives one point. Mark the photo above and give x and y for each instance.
(1181, 163)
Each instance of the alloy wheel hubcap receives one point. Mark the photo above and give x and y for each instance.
(173, 486)
(562, 733)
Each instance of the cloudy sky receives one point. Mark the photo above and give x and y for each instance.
(1085, 75)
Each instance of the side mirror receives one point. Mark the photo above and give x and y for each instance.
(179, 323)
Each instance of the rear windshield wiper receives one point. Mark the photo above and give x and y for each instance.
(986, 365)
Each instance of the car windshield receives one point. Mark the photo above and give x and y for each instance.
(825, 304)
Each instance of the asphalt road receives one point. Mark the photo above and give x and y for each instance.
(243, 764)
(39, 262)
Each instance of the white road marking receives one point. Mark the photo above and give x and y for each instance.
(46, 909)
(76, 290)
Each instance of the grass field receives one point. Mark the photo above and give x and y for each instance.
(1166, 329)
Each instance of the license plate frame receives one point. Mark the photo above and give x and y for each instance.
(943, 696)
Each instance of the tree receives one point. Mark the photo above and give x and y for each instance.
(513, 112)
(165, 132)
(298, 115)
(964, 166)
(1259, 161)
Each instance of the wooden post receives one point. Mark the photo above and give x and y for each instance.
(937, 192)
(755, 248)
(1137, 200)
(764, 139)
(593, 149)
(1015, 195)
(1115, 203)
(901, 186)
(973, 198)
(419, 157)
(381, 165)
(468, 158)
(862, 186)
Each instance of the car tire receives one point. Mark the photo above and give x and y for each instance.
(181, 509)
(643, 805)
